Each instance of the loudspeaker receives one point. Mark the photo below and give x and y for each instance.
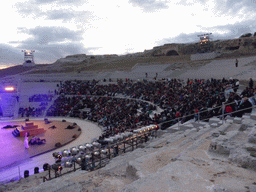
(36, 170)
(45, 166)
(26, 173)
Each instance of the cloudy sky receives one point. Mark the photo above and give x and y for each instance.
(57, 28)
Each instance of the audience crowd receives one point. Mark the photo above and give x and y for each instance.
(177, 98)
(136, 102)
(31, 111)
(40, 98)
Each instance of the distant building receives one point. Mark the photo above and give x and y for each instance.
(28, 58)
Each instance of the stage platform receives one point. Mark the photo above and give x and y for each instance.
(12, 148)
(15, 171)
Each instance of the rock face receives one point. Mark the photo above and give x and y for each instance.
(196, 159)
(222, 48)
(239, 144)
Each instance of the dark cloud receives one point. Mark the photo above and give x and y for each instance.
(67, 15)
(10, 55)
(59, 1)
(52, 43)
(32, 8)
(26, 9)
(181, 38)
(221, 7)
(149, 5)
(232, 30)
(229, 31)
(60, 14)
(47, 35)
(189, 3)
(233, 7)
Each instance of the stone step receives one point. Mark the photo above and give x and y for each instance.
(185, 127)
(230, 121)
(228, 117)
(199, 124)
(214, 125)
(253, 116)
(246, 117)
(237, 120)
(213, 120)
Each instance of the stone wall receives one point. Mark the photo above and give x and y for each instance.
(203, 56)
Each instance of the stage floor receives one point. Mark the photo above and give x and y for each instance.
(12, 172)
(12, 148)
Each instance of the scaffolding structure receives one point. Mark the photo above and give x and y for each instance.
(205, 44)
(28, 58)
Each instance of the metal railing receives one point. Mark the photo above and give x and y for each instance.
(99, 157)
(220, 107)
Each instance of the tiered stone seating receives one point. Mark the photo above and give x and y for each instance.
(185, 127)
(237, 120)
(253, 116)
(215, 122)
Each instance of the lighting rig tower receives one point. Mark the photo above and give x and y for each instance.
(28, 58)
(205, 44)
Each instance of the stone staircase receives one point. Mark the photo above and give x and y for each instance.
(214, 122)
(8, 105)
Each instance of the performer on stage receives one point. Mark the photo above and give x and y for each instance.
(26, 141)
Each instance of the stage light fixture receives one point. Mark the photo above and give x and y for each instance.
(74, 151)
(79, 160)
(65, 153)
(9, 88)
(103, 151)
(82, 148)
(96, 144)
(88, 146)
(68, 164)
(57, 156)
(88, 156)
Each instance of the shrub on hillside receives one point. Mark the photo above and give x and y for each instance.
(246, 35)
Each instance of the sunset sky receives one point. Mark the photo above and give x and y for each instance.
(57, 28)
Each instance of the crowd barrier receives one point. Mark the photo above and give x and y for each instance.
(93, 156)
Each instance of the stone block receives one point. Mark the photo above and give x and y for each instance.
(214, 120)
(253, 116)
(229, 121)
(237, 120)
(243, 127)
(196, 124)
(228, 117)
(220, 123)
(246, 117)
(214, 125)
(185, 127)
(252, 139)
(173, 130)
(215, 134)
